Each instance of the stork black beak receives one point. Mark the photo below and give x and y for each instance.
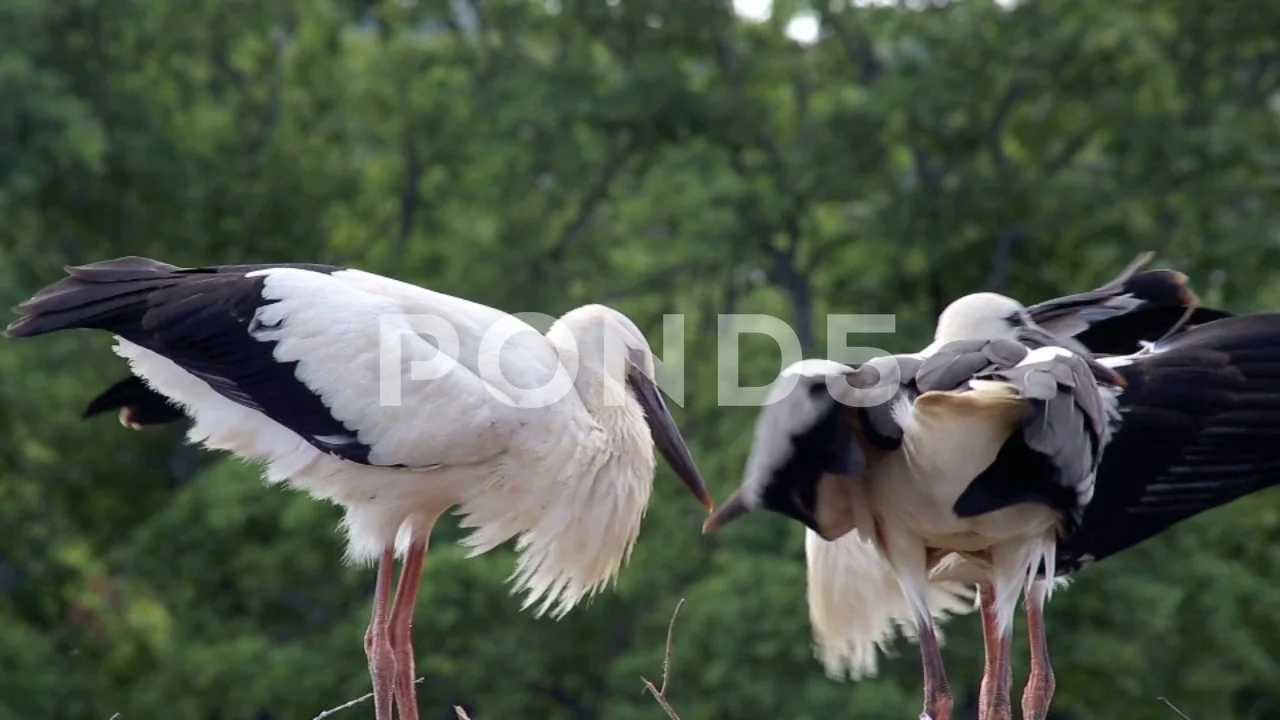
(731, 510)
(1105, 374)
(666, 435)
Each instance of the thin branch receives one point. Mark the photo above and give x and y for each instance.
(410, 194)
(270, 119)
(660, 694)
(1256, 90)
(802, 93)
(352, 703)
(726, 57)
(783, 269)
(937, 293)
(995, 128)
(1173, 708)
(1069, 152)
(596, 195)
(1002, 257)
(858, 47)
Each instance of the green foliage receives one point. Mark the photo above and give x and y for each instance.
(659, 156)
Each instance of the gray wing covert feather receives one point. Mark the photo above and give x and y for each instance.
(1068, 420)
(956, 363)
(899, 370)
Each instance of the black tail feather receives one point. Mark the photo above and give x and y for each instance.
(1134, 306)
(108, 295)
(143, 405)
(1167, 300)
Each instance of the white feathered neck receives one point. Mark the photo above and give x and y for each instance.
(581, 526)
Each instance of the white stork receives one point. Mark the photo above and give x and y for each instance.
(281, 364)
(855, 603)
(999, 457)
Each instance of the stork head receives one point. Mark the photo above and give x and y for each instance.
(980, 315)
(802, 455)
(615, 381)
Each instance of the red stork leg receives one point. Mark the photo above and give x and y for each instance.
(937, 692)
(377, 644)
(1040, 682)
(400, 629)
(997, 672)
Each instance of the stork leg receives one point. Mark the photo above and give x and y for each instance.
(997, 672)
(910, 560)
(377, 644)
(1040, 683)
(937, 692)
(400, 628)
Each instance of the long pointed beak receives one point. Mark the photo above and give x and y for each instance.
(730, 510)
(667, 436)
(1102, 372)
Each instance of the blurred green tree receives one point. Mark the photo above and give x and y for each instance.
(660, 156)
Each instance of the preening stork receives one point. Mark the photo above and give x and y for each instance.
(855, 603)
(999, 456)
(545, 438)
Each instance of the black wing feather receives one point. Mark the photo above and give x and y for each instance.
(1200, 428)
(200, 318)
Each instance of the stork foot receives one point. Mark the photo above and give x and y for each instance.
(938, 707)
(996, 712)
(999, 712)
(1038, 694)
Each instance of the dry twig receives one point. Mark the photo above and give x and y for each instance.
(661, 694)
(354, 703)
(1173, 708)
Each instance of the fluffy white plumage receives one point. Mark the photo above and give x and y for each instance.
(571, 479)
(857, 607)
